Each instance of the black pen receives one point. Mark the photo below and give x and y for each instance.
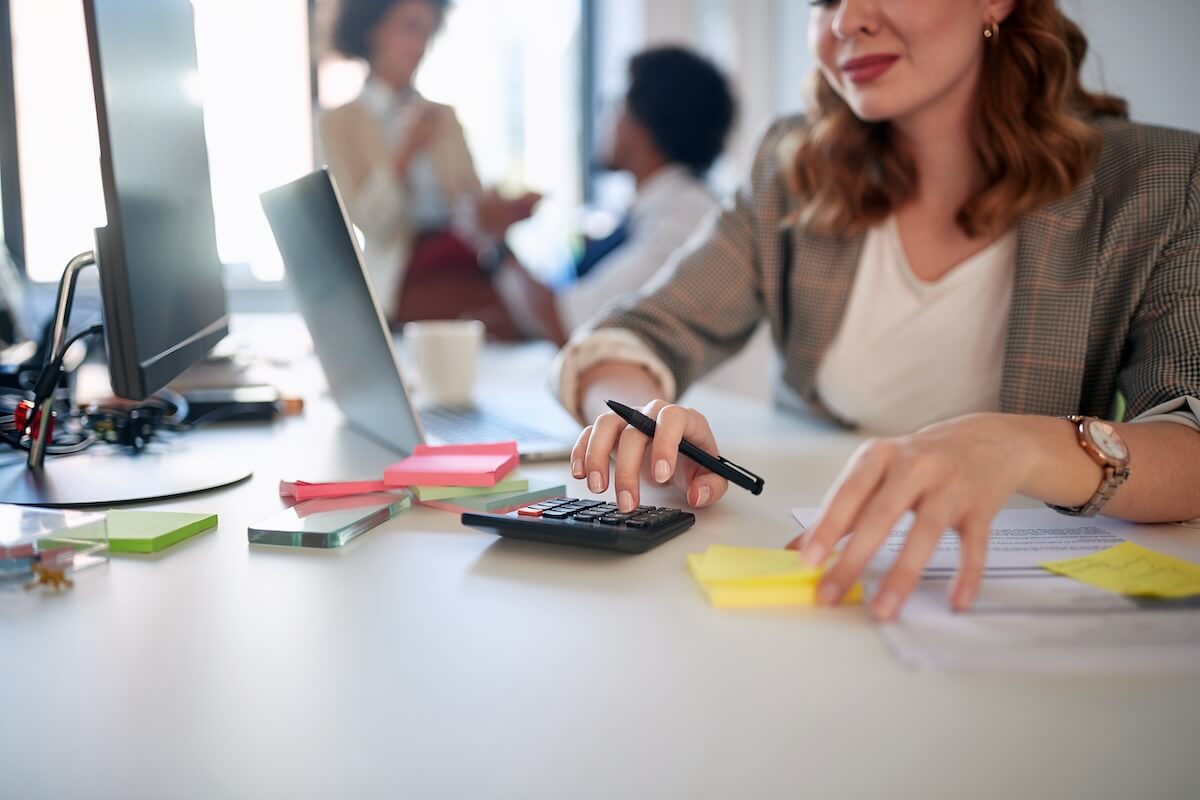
(715, 464)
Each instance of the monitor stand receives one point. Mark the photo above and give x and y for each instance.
(105, 474)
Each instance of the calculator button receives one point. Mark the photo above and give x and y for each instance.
(610, 519)
(532, 511)
(637, 522)
(556, 513)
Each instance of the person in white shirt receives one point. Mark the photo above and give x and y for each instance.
(677, 114)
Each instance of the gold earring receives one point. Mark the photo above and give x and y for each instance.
(992, 30)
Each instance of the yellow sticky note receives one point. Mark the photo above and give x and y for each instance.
(1131, 569)
(754, 565)
(743, 577)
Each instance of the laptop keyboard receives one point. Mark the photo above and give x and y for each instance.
(468, 425)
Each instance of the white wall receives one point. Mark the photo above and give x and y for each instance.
(1147, 52)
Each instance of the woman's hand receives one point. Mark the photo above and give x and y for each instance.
(495, 213)
(954, 474)
(636, 455)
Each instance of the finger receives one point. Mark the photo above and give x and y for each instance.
(973, 534)
(932, 518)
(858, 481)
(896, 495)
(578, 451)
(706, 489)
(605, 431)
(670, 424)
(631, 449)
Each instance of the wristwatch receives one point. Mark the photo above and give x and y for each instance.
(1100, 440)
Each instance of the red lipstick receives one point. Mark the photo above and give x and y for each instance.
(867, 68)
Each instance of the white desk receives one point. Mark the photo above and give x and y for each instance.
(427, 660)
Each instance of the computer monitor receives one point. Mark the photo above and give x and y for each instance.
(160, 274)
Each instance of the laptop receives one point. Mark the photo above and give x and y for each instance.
(324, 267)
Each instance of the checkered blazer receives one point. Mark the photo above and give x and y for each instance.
(1106, 291)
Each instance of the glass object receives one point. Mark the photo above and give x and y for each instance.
(40, 542)
(330, 521)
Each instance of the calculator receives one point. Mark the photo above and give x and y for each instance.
(587, 523)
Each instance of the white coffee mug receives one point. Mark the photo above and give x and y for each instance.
(445, 354)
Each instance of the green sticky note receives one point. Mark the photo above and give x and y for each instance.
(504, 486)
(151, 531)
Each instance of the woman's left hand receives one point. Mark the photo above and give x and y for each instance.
(955, 474)
(496, 213)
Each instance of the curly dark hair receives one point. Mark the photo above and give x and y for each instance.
(357, 18)
(684, 102)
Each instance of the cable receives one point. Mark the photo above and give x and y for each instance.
(48, 379)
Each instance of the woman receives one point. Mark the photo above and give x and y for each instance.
(407, 176)
(958, 246)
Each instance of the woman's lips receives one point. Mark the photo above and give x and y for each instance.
(867, 68)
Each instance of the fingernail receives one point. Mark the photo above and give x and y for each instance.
(596, 482)
(577, 469)
(885, 605)
(829, 594)
(814, 555)
(794, 544)
(625, 502)
(702, 496)
(662, 471)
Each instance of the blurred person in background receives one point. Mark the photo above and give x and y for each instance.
(407, 176)
(675, 119)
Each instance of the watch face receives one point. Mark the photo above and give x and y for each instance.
(1107, 440)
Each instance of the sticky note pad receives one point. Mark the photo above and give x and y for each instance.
(740, 565)
(151, 531)
(1131, 569)
(500, 503)
(509, 484)
(747, 577)
(454, 465)
(304, 490)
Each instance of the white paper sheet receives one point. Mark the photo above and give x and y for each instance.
(1021, 540)
(1027, 619)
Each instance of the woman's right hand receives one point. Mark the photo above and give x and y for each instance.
(635, 456)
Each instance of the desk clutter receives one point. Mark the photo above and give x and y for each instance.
(455, 478)
(42, 547)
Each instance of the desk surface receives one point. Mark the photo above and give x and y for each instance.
(428, 660)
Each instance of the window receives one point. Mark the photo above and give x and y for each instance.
(511, 70)
(254, 69)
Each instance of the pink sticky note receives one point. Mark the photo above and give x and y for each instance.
(303, 490)
(454, 465)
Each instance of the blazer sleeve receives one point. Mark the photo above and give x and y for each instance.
(1163, 348)
(705, 304)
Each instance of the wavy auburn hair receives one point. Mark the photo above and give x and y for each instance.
(1032, 136)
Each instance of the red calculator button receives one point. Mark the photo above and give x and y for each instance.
(529, 512)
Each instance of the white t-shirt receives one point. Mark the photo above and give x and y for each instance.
(911, 352)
